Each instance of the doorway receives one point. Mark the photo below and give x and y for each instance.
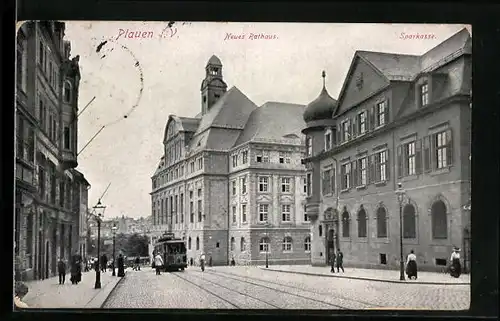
(330, 244)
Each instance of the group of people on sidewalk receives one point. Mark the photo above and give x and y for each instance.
(337, 260)
(455, 268)
(75, 269)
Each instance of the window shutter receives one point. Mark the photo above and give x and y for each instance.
(349, 137)
(387, 113)
(433, 158)
(371, 117)
(339, 133)
(387, 166)
(400, 161)
(354, 171)
(333, 181)
(418, 157)
(449, 147)
(355, 126)
(371, 169)
(427, 154)
(376, 166)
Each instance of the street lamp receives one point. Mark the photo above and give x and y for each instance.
(99, 209)
(113, 229)
(400, 193)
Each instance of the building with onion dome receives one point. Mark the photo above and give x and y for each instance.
(231, 182)
(398, 119)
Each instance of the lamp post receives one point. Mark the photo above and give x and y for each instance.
(267, 245)
(400, 193)
(99, 209)
(113, 229)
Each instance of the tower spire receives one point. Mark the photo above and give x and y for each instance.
(323, 74)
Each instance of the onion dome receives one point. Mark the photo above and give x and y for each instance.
(322, 107)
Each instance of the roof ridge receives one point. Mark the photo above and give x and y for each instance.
(387, 53)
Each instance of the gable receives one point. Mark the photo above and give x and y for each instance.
(362, 81)
(171, 129)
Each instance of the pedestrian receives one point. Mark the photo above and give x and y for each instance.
(158, 261)
(137, 264)
(455, 267)
(121, 266)
(340, 261)
(210, 260)
(76, 268)
(233, 262)
(411, 266)
(61, 270)
(332, 261)
(20, 291)
(104, 262)
(202, 261)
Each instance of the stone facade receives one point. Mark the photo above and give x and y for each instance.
(193, 192)
(421, 140)
(47, 198)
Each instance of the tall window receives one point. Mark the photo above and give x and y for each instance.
(381, 112)
(346, 130)
(307, 244)
(243, 185)
(309, 147)
(381, 166)
(345, 170)
(328, 139)
(189, 243)
(287, 244)
(410, 158)
(233, 188)
(326, 182)
(304, 183)
(235, 160)
(234, 214)
(191, 165)
(263, 212)
(362, 179)
(191, 207)
(199, 210)
(67, 92)
(243, 213)
(441, 150)
(197, 243)
(232, 243)
(439, 220)
(285, 184)
(244, 157)
(362, 123)
(345, 224)
(381, 223)
(285, 213)
(181, 207)
(424, 94)
(309, 184)
(306, 217)
(242, 244)
(409, 222)
(263, 184)
(264, 244)
(200, 163)
(67, 140)
(362, 223)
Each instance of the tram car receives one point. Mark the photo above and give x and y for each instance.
(173, 252)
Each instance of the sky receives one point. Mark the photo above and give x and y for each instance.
(159, 73)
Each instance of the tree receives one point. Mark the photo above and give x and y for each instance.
(137, 245)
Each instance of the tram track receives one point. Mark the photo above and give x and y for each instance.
(239, 278)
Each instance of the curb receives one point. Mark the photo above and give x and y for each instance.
(112, 290)
(361, 278)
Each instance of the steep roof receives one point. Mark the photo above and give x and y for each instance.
(189, 124)
(274, 122)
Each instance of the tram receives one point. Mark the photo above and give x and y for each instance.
(173, 252)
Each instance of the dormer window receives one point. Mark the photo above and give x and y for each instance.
(67, 92)
(328, 139)
(424, 94)
(309, 148)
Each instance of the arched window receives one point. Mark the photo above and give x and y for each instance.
(307, 244)
(232, 243)
(362, 223)
(381, 222)
(264, 244)
(409, 224)
(242, 244)
(189, 243)
(439, 220)
(345, 224)
(287, 244)
(197, 243)
(67, 92)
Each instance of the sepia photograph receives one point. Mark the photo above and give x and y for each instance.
(227, 165)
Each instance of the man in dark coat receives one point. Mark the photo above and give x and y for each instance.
(121, 266)
(104, 262)
(340, 261)
(76, 268)
(332, 262)
(61, 270)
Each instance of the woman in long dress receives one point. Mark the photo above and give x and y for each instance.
(456, 267)
(411, 266)
(121, 266)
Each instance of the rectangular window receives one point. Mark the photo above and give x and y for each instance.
(234, 214)
(263, 184)
(200, 163)
(199, 211)
(309, 184)
(263, 211)
(235, 160)
(304, 183)
(362, 123)
(441, 143)
(328, 139)
(181, 171)
(285, 213)
(424, 94)
(362, 164)
(233, 190)
(258, 156)
(66, 137)
(381, 166)
(346, 176)
(409, 156)
(381, 112)
(326, 182)
(346, 130)
(181, 207)
(243, 213)
(309, 147)
(244, 157)
(306, 217)
(284, 157)
(243, 185)
(285, 184)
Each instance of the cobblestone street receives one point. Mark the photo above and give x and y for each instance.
(254, 288)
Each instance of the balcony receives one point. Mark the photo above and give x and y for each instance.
(68, 159)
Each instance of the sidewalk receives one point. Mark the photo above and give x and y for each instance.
(391, 276)
(48, 294)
